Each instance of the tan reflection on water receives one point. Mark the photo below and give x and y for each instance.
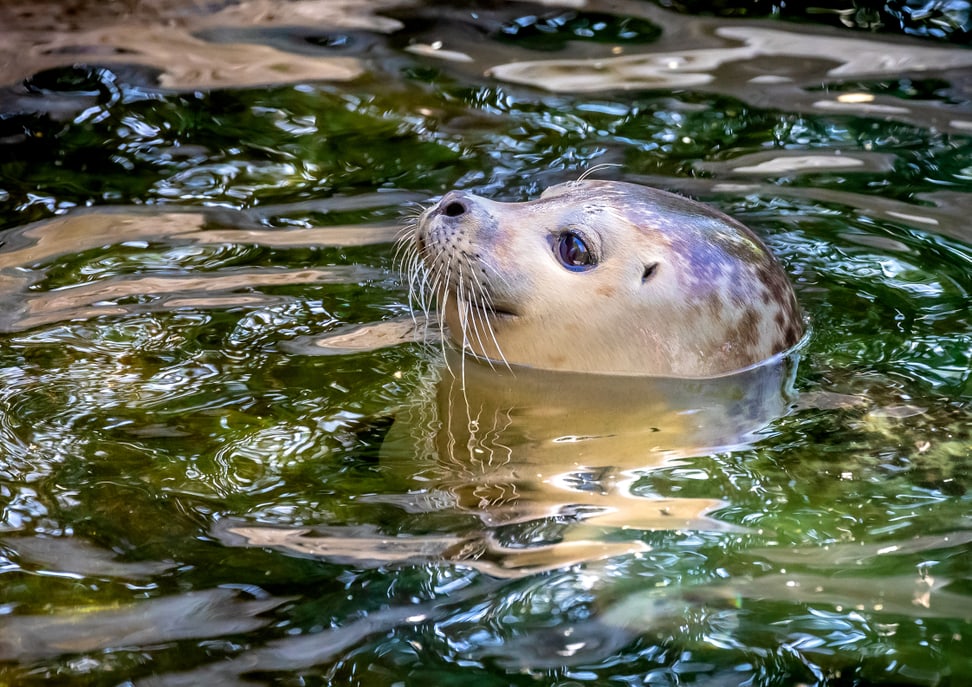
(164, 36)
(79, 557)
(850, 57)
(192, 615)
(774, 162)
(99, 298)
(528, 447)
(479, 550)
(26, 246)
(28, 251)
(515, 446)
(187, 62)
(781, 67)
(360, 338)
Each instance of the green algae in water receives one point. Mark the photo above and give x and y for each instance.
(187, 495)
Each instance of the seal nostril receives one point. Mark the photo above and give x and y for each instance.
(454, 209)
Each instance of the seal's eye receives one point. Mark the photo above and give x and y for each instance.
(572, 251)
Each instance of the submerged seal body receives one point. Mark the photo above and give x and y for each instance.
(602, 277)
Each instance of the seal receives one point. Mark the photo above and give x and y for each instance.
(601, 277)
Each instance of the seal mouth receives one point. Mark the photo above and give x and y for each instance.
(491, 310)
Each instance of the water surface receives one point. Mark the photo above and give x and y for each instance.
(224, 460)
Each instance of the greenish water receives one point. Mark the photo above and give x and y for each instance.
(197, 489)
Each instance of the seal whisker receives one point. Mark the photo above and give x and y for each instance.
(440, 314)
(443, 293)
(419, 282)
(495, 271)
(416, 277)
(484, 300)
(404, 244)
(464, 314)
(404, 239)
(466, 311)
(597, 168)
(477, 318)
(408, 258)
(469, 327)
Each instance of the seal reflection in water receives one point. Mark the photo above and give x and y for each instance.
(604, 277)
(528, 445)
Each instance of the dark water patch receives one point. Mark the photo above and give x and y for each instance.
(556, 32)
(174, 151)
(942, 90)
(947, 20)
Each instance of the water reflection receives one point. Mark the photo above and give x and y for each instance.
(163, 37)
(64, 555)
(770, 66)
(26, 264)
(548, 463)
(715, 615)
(519, 443)
(223, 459)
(197, 614)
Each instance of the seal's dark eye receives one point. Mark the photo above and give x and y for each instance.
(573, 253)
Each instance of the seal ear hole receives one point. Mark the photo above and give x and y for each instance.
(649, 271)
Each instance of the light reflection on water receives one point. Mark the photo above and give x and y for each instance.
(221, 458)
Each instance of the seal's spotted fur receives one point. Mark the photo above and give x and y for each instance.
(677, 288)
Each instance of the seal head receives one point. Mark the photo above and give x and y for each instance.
(602, 277)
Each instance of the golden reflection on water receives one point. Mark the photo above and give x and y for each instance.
(28, 252)
(764, 67)
(513, 447)
(164, 36)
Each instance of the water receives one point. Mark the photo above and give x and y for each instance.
(208, 475)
